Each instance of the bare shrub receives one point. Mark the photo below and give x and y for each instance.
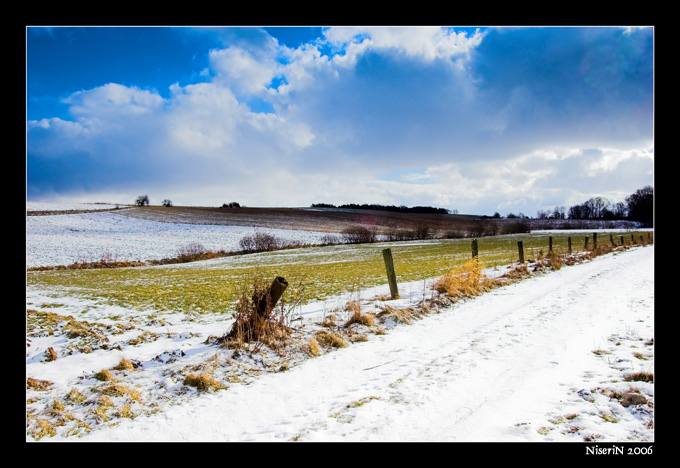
(483, 228)
(422, 232)
(261, 242)
(330, 239)
(359, 235)
(418, 233)
(515, 227)
(455, 234)
(191, 251)
(247, 243)
(394, 234)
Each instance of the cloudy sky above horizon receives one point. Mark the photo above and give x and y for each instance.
(479, 120)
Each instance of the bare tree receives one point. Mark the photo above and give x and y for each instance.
(641, 205)
(142, 200)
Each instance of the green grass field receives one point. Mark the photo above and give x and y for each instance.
(321, 272)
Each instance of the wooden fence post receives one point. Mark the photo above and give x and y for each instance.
(594, 240)
(265, 303)
(550, 244)
(611, 239)
(391, 275)
(569, 244)
(475, 250)
(585, 247)
(520, 248)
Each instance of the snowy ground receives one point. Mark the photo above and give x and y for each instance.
(68, 238)
(540, 360)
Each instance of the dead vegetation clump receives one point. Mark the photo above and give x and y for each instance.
(258, 320)
(85, 336)
(44, 428)
(50, 354)
(639, 377)
(330, 339)
(117, 390)
(124, 364)
(312, 347)
(551, 261)
(203, 382)
(597, 251)
(104, 375)
(360, 318)
(357, 316)
(517, 273)
(463, 281)
(255, 319)
(401, 315)
(37, 384)
(329, 321)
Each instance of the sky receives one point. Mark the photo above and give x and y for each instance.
(473, 119)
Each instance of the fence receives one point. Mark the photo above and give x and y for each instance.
(551, 248)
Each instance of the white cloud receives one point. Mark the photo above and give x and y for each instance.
(242, 71)
(422, 42)
(609, 159)
(113, 99)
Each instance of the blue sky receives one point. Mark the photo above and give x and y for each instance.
(479, 120)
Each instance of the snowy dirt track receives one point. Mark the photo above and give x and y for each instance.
(518, 363)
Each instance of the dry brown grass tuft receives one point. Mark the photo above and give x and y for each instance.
(76, 396)
(126, 412)
(639, 377)
(312, 347)
(203, 382)
(104, 375)
(401, 315)
(124, 364)
(38, 385)
(360, 318)
(44, 428)
(462, 281)
(50, 354)
(330, 339)
(554, 260)
(122, 391)
(354, 307)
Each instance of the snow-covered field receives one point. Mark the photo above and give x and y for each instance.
(89, 237)
(544, 359)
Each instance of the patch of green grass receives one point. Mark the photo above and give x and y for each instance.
(212, 286)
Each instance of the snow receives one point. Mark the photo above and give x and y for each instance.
(61, 206)
(65, 239)
(534, 361)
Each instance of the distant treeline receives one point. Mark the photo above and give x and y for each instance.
(639, 206)
(398, 209)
